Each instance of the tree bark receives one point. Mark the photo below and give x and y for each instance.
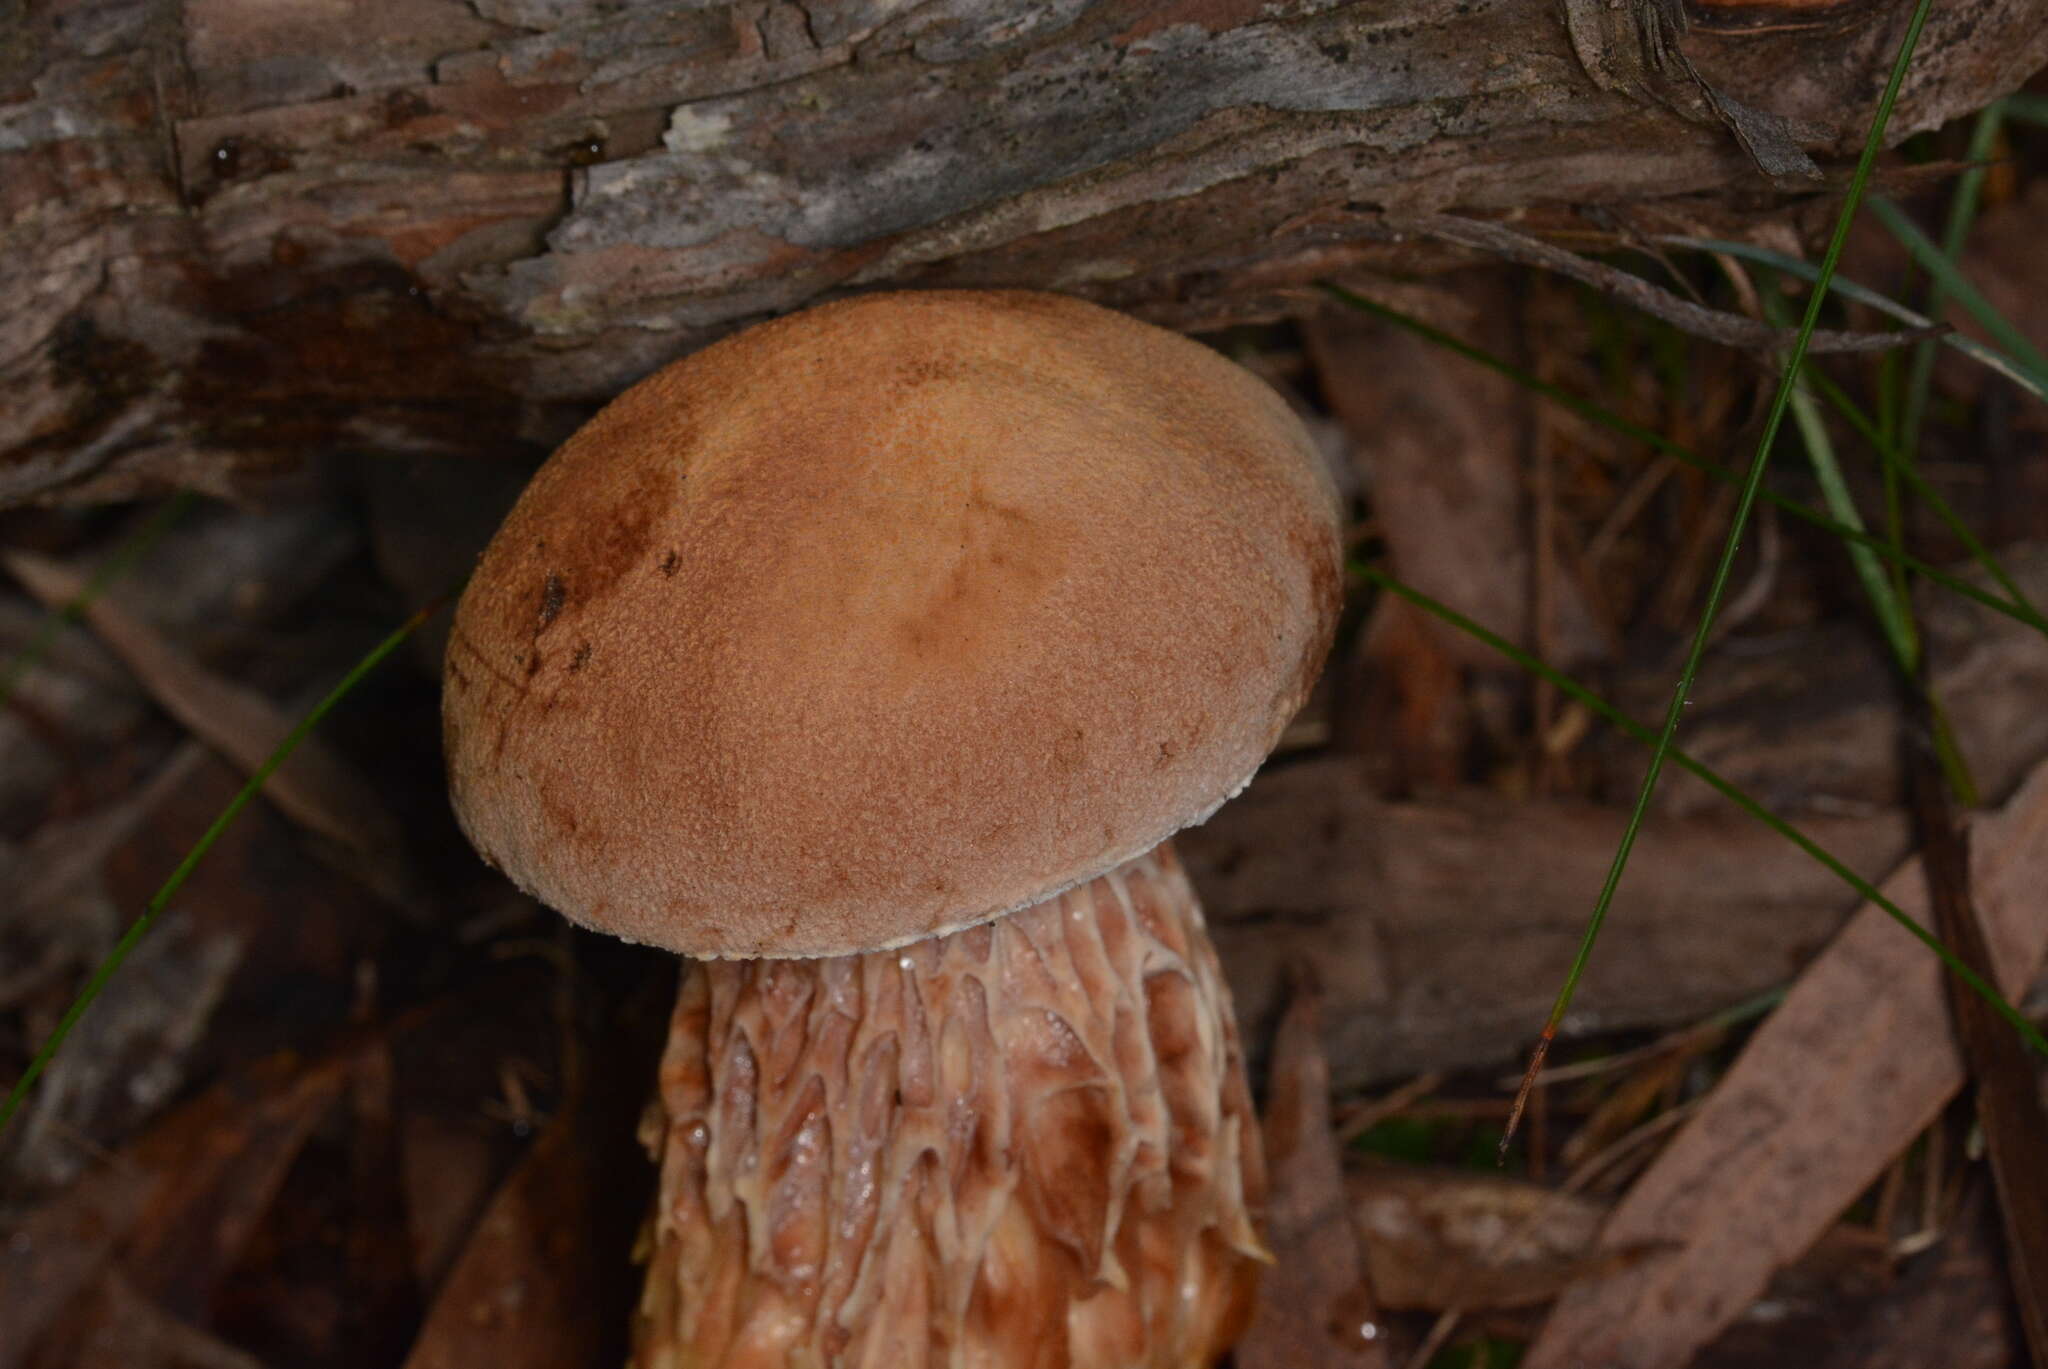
(237, 232)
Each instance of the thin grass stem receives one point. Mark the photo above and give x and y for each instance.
(139, 928)
(2020, 373)
(1892, 605)
(1893, 616)
(1923, 491)
(132, 549)
(1956, 286)
(1595, 413)
(1724, 568)
(1566, 685)
(1962, 214)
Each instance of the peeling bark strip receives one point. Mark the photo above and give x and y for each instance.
(233, 232)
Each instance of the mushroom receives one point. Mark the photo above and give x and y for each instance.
(869, 657)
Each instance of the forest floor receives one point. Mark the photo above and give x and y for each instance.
(354, 1100)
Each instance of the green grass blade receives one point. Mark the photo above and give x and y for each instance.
(1885, 602)
(1570, 687)
(161, 899)
(1595, 413)
(123, 559)
(1888, 600)
(1924, 492)
(1955, 285)
(1962, 213)
(1718, 586)
(1955, 766)
(2027, 107)
(2020, 373)
(1888, 597)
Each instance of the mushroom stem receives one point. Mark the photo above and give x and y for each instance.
(1024, 1144)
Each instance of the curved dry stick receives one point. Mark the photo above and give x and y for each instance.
(1730, 330)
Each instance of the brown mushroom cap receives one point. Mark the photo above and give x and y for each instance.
(884, 619)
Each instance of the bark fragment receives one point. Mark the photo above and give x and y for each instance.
(235, 233)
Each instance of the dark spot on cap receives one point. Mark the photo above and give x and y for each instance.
(581, 657)
(1070, 750)
(552, 593)
(927, 370)
(671, 562)
(614, 536)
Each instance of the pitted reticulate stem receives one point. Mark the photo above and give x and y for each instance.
(1024, 1144)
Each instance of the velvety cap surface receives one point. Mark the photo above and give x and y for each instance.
(886, 618)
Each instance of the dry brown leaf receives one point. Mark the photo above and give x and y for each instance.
(1757, 719)
(2003, 259)
(521, 1293)
(57, 901)
(2004, 1072)
(316, 787)
(1951, 1310)
(1619, 1111)
(1855, 1063)
(1316, 1310)
(128, 1055)
(1408, 714)
(449, 1172)
(1437, 1240)
(1443, 445)
(171, 1212)
(118, 1326)
(546, 1279)
(383, 1294)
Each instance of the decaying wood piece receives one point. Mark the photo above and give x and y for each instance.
(1757, 719)
(235, 232)
(1442, 929)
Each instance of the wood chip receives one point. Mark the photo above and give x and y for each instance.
(1439, 446)
(1440, 1239)
(1855, 1063)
